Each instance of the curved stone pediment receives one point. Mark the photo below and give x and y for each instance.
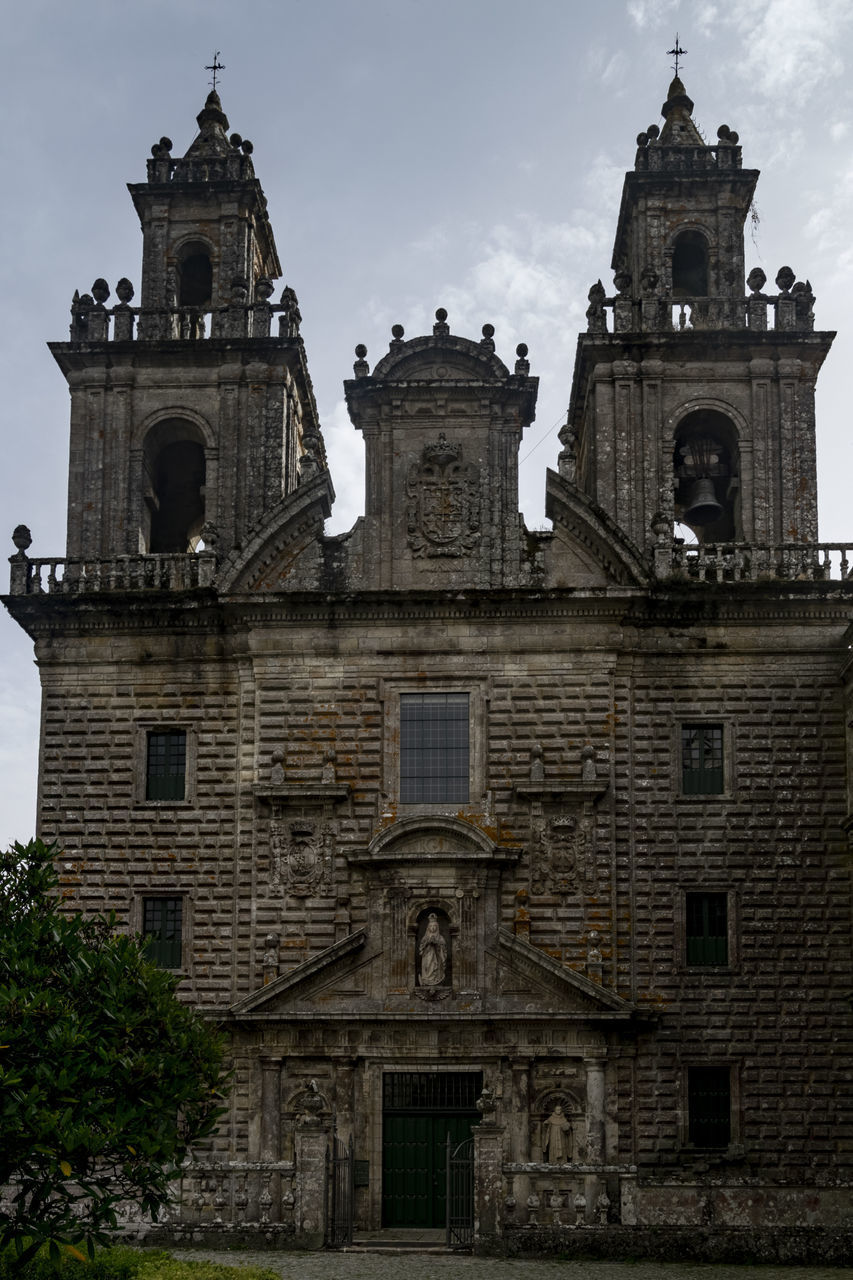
(435, 839)
(441, 358)
(588, 547)
(285, 552)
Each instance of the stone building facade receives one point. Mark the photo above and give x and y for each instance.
(532, 842)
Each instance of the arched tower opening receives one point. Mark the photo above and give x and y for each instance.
(706, 468)
(690, 275)
(195, 276)
(175, 473)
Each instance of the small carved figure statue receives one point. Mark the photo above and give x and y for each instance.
(433, 954)
(557, 1137)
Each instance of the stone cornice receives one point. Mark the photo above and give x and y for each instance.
(819, 604)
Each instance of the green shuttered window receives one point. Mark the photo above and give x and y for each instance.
(709, 1104)
(162, 925)
(707, 921)
(702, 759)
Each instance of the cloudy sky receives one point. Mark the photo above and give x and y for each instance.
(415, 153)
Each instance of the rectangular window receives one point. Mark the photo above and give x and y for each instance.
(162, 922)
(434, 748)
(166, 765)
(709, 1106)
(702, 759)
(707, 921)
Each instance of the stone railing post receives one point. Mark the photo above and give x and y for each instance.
(488, 1181)
(312, 1141)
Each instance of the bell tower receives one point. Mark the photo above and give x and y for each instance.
(191, 417)
(693, 397)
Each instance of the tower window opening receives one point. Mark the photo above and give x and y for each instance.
(195, 281)
(175, 474)
(690, 266)
(704, 463)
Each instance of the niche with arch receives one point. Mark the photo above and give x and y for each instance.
(433, 950)
(705, 463)
(174, 472)
(690, 274)
(558, 1131)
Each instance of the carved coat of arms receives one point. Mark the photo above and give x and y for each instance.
(443, 514)
(299, 852)
(564, 855)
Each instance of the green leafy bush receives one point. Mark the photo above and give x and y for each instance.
(105, 1078)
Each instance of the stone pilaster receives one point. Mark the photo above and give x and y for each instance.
(488, 1182)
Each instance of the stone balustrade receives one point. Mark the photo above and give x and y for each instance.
(753, 562)
(239, 316)
(214, 1193)
(570, 1195)
(789, 311)
(718, 563)
(56, 576)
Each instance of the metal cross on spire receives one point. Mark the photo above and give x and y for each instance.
(676, 53)
(216, 65)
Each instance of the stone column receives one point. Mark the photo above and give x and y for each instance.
(269, 1186)
(520, 1113)
(488, 1182)
(595, 1109)
(270, 1108)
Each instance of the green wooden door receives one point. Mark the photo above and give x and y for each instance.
(414, 1170)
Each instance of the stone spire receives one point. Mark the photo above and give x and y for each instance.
(677, 111)
(212, 138)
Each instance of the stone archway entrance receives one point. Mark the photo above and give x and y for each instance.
(419, 1110)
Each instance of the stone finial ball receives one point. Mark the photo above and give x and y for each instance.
(785, 278)
(22, 537)
(521, 350)
(124, 289)
(247, 147)
(441, 315)
(642, 139)
(488, 330)
(236, 139)
(653, 131)
(361, 351)
(723, 132)
(100, 290)
(166, 143)
(734, 137)
(397, 331)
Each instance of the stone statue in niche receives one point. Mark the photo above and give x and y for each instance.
(432, 953)
(443, 515)
(556, 1137)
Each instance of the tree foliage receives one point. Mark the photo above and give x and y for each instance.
(105, 1078)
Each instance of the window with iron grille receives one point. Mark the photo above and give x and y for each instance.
(702, 759)
(166, 765)
(709, 1106)
(707, 925)
(434, 748)
(162, 924)
(443, 1091)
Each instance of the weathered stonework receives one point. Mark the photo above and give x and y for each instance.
(527, 940)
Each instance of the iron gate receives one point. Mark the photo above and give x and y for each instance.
(460, 1193)
(339, 1193)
